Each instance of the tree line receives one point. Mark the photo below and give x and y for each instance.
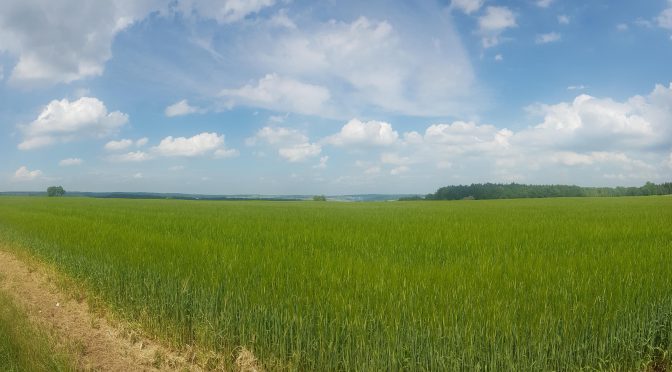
(517, 191)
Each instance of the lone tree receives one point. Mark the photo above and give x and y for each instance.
(319, 198)
(55, 191)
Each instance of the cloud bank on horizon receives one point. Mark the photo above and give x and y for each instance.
(289, 97)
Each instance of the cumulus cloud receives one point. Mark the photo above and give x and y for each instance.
(70, 162)
(493, 23)
(300, 151)
(63, 121)
(279, 93)
(133, 157)
(588, 138)
(370, 133)
(600, 124)
(291, 144)
(64, 41)
(467, 135)
(124, 144)
(223, 11)
(199, 144)
(467, 6)
(181, 108)
(23, 174)
(118, 145)
(664, 20)
(563, 19)
(548, 38)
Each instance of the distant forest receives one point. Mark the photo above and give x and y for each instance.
(518, 191)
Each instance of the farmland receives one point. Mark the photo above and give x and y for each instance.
(538, 284)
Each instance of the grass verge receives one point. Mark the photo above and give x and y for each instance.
(23, 347)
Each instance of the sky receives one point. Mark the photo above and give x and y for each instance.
(333, 97)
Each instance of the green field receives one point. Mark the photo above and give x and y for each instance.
(543, 284)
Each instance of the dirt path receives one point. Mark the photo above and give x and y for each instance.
(99, 345)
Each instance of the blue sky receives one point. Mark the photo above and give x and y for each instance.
(333, 97)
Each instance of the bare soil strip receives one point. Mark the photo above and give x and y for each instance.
(99, 345)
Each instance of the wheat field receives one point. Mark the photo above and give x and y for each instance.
(536, 284)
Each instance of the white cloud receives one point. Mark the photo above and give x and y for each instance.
(123, 144)
(181, 108)
(323, 163)
(64, 41)
(399, 170)
(393, 65)
(132, 157)
(281, 19)
(578, 159)
(278, 136)
(118, 145)
(467, 137)
(70, 162)
(563, 19)
(197, 145)
(63, 121)
(589, 123)
(493, 23)
(548, 38)
(592, 139)
(576, 87)
(544, 3)
(622, 27)
(395, 159)
(499, 58)
(226, 153)
(279, 93)
(291, 144)
(467, 6)
(138, 176)
(23, 174)
(370, 133)
(300, 152)
(223, 11)
(664, 20)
